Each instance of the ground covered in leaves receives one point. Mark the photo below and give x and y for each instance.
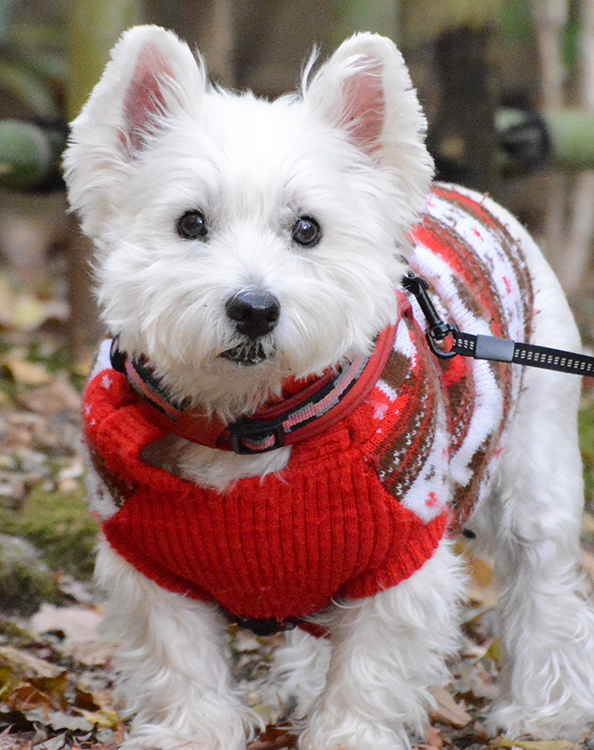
(56, 673)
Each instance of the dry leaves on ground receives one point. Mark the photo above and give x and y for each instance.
(56, 673)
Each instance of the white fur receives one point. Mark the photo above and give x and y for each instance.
(387, 650)
(532, 527)
(350, 153)
(252, 167)
(174, 675)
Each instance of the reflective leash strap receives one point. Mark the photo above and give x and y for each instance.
(491, 347)
(529, 355)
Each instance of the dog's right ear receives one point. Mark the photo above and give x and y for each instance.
(152, 79)
(365, 91)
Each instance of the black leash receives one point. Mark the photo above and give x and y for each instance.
(491, 347)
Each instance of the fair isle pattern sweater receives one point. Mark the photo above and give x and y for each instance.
(363, 506)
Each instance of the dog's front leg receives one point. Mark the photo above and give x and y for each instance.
(174, 678)
(387, 651)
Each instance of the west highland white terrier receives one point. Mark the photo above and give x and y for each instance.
(274, 443)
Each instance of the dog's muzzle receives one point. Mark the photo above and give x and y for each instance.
(255, 315)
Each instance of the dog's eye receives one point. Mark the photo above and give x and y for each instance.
(192, 226)
(306, 231)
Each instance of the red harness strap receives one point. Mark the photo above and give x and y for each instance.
(307, 412)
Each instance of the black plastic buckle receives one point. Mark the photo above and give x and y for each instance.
(256, 431)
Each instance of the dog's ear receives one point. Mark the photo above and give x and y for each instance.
(365, 90)
(151, 79)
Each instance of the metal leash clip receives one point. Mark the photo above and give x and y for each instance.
(493, 348)
(437, 330)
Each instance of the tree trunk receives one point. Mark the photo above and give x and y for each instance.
(582, 220)
(93, 28)
(463, 140)
(549, 19)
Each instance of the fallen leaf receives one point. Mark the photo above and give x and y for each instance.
(479, 733)
(447, 711)
(25, 372)
(588, 522)
(481, 588)
(84, 699)
(53, 687)
(90, 654)
(79, 624)
(26, 696)
(434, 739)
(104, 718)
(56, 743)
(55, 397)
(61, 720)
(81, 592)
(274, 738)
(494, 651)
(101, 699)
(26, 665)
(119, 734)
(476, 685)
(506, 742)
(68, 476)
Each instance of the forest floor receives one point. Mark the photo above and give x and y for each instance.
(56, 671)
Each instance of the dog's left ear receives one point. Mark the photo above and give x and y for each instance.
(152, 79)
(365, 90)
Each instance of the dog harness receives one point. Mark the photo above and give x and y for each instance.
(361, 506)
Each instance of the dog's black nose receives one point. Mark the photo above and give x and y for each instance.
(254, 313)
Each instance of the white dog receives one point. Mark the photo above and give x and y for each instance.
(275, 444)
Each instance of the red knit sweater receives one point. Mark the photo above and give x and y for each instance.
(278, 547)
(357, 509)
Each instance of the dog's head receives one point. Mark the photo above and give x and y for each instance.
(241, 241)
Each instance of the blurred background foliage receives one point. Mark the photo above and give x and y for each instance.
(508, 87)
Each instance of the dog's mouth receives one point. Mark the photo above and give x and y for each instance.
(248, 354)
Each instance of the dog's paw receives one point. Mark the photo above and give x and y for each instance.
(542, 724)
(547, 688)
(227, 730)
(352, 733)
(152, 737)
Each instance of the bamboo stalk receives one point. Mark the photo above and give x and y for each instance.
(93, 28)
(549, 19)
(426, 19)
(582, 220)
(379, 16)
(572, 135)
